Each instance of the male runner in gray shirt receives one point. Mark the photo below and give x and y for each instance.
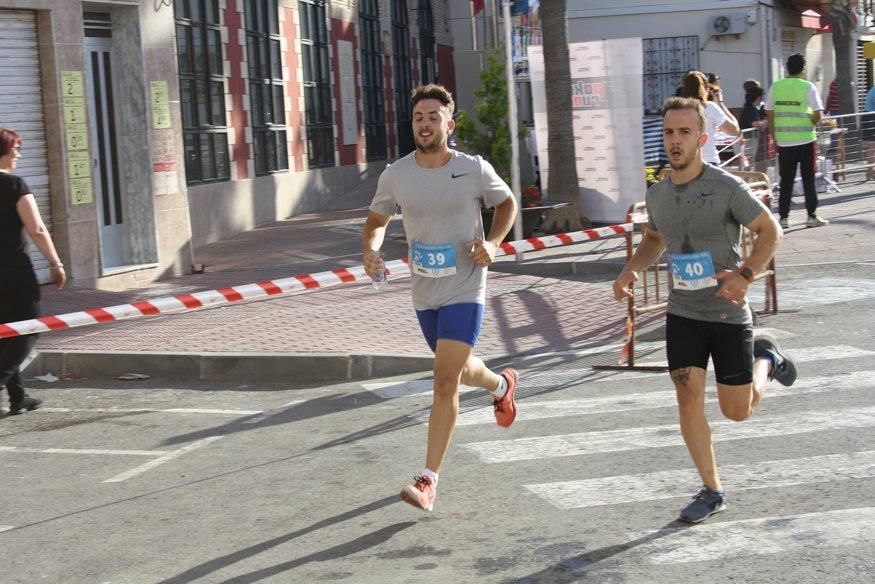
(439, 192)
(696, 215)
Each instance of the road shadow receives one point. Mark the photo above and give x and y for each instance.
(339, 551)
(306, 410)
(574, 568)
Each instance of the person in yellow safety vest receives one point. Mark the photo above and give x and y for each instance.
(794, 108)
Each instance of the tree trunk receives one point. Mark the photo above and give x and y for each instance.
(562, 181)
(845, 56)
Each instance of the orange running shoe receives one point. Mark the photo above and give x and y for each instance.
(505, 408)
(420, 494)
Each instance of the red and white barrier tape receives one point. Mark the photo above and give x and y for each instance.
(197, 300)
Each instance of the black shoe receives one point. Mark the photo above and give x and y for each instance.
(705, 504)
(782, 367)
(26, 404)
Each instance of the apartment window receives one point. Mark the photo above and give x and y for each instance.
(266, 96)
(402, 65)
(426, 43)
(202, 90)
(372, 79)
(666, 61)
(317, 83)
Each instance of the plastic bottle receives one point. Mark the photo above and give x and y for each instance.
(379, 282)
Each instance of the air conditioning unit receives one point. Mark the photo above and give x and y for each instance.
(727, 24)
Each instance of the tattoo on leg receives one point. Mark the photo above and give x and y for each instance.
(681, 377)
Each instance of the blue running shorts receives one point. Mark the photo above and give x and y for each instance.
(458, 322)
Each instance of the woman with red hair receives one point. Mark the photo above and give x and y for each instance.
(19, 290)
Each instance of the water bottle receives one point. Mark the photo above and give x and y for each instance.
(379, 282)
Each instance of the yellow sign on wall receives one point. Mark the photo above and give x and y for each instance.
(81, 190)
(869, 50)
(160, 105)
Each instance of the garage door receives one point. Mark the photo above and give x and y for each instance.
(21, 109)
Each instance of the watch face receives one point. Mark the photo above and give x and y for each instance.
(746, 272)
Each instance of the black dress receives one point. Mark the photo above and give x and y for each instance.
(19, 290)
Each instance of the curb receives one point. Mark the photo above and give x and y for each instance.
(294, 368)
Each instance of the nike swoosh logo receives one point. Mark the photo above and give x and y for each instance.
(458, 175)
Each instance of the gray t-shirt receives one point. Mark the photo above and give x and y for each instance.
(441, 207)
(704, 215)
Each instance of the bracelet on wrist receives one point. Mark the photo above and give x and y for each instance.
(57, 266)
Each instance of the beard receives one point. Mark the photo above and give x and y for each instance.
(431, 147)
(684, 162)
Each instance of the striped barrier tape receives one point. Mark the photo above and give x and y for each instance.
(303, 282)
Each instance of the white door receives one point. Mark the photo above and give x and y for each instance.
(105, 161)
(21, 110)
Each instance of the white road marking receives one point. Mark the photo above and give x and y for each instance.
(396, 389)
(755, 537)
(166, 456)
(539, 447)
(271, 413)
(82, 451)
(240, 413)
(540, 410)
(819, 291)
(739, 477)
(6, 527)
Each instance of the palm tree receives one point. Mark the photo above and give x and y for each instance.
(562, 183)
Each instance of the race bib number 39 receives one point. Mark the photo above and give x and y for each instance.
(692, 271)
(434, 260)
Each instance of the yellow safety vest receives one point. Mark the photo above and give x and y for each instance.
(792, 115)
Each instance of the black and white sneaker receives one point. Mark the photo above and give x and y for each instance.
(782, 369)
(705, 504)
(25, 404)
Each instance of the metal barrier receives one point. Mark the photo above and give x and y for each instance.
(648, 296)
(845, 147)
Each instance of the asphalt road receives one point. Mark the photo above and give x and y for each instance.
(143, 482)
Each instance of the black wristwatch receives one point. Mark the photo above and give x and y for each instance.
(746, 272)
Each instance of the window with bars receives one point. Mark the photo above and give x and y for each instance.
(372, 79)
(317, 83)
(426, 43)
(666, 61)
(403, 83)
(202, 90)
(266, 96)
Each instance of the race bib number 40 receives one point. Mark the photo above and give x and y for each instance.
(434, 260)
(692, 271)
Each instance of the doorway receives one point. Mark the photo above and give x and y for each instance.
(113, 231)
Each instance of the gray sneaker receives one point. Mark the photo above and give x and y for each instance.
(705, 504)
(784, 223)
(782, 367)
(816, 221)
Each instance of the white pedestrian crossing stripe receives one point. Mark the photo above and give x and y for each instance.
(666, 484)
(561, 375)
(538, 410)
(753, 537)
(532, 448)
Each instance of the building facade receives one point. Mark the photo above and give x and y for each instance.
(152, 127)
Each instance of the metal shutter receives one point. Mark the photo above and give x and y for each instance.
(21, 109)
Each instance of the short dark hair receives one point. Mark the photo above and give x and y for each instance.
(686, 103)
(713, 78)
(750, 84)
(795, 63)
(753, 94)
(9, 140)
(433, 91)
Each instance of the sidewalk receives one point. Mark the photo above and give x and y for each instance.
(557, 300)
